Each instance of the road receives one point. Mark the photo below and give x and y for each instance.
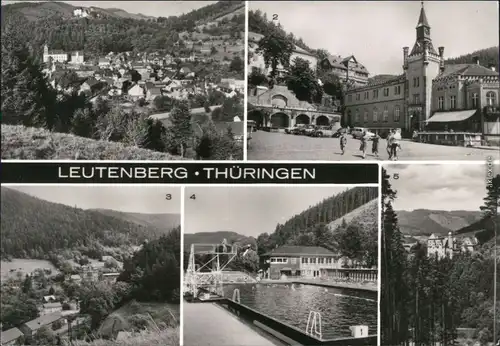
(280, 146)
(206, 324)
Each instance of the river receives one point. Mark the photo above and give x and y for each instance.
(340, 308)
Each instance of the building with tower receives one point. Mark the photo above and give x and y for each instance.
(428, 95)
(76, 57)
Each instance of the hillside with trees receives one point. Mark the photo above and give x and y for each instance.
(35, 228)
(355, 239)
(52, 23)
(487, 57)
(160, 221)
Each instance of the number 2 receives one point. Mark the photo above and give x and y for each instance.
(275, 16)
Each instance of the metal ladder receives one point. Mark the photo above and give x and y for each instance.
(313, 327)
(236, 295)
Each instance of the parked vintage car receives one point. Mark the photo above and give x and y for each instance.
(357, 132)
(309, 130)
(297, 129)
(325, 131)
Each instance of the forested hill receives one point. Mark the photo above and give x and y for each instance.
(51, 24)
(305, 228)
(160, 221)
(32, 228)
(487, 57)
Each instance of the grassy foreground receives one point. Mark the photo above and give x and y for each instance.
(27, 143)
(166, 337)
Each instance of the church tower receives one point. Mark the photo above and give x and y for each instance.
(421, 66)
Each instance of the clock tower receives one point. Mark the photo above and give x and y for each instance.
(421, 66)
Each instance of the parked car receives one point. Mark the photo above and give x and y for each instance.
(325, 131)
(297, 129)
(309, 130)
(339, 132)
(289, 130)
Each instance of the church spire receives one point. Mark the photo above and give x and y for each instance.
(422, 20)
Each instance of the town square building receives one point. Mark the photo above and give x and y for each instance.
(429, 94)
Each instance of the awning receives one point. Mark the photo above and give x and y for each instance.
(447, 117)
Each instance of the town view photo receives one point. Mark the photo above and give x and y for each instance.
(123, 80)
(440, 255)
(90, 265)
(412, 87)
(280, 265)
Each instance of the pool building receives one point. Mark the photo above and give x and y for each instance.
(301, 261)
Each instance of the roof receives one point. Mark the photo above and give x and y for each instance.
(52, 305)
(422, 19)
(47, 298)
(76, 276)
(465, 70)
(111, 274)
(447, 117)
(289, 250)
(341, 63)
(10, 335)
(302, 50)
(44, 320)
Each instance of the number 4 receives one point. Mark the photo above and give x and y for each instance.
(193, 196)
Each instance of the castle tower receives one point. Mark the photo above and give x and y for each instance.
(421, 66)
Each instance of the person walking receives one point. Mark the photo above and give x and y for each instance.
(375, 141)
(396, 138)
(390, 139)
(343, 142)
(363, 140)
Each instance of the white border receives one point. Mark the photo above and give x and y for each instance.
(379, 257)
(181, 268)
(245, 97)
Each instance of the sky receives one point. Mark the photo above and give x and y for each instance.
(249, 211)
(149, 8)
(375, 31)
(439, 187)
(132, 199)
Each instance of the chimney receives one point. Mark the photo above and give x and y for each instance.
(441, 59)
(405, 56)
(476, 60)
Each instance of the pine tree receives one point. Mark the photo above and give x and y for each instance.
(181, 129)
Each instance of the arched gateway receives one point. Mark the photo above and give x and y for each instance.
(280, 120)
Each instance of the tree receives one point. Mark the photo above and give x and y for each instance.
(301, 80)
(181, 129)
(26, 97)
(44, 336)
(333, 86)
(276, 49)
(51, 291)
(237, 65)
(256, 78)
(349, 241)
(492, 199)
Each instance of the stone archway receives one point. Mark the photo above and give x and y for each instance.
(322, 120)
(280, 120)
(258, 116)
(302, 119)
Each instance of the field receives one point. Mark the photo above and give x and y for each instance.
(25, 266)
(19, 142)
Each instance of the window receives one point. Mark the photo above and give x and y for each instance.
(491, 98)
(321, 260)
(453, 102)
(313, 260)
(441, 103)
(375, 115)
(386, 92)
(385, 115)
(418, 82)
(365, 116)
(356, 116)
(475, 100)
(357, 97)
(305, 260)
(279, 260)
(293, 260)
(375, 94)
(416, 99)
(349, 98)
(397, 115)
(397, 90)
(367, 95)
